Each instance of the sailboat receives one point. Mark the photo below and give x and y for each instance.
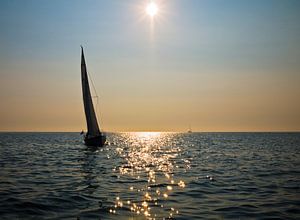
(190, 129)
(93, 137)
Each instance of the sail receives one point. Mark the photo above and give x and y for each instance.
(91, 120)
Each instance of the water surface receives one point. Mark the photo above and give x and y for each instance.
(150, 176)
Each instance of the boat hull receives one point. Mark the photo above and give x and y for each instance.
(97, 141)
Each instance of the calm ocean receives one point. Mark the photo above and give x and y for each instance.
(150, 176)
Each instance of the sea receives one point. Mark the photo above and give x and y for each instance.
(150, 175)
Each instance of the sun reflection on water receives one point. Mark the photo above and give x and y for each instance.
(148, 161)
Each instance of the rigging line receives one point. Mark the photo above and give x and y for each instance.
(94, 88)
(96, 95)
(97, 108)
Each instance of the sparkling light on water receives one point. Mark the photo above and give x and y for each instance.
(148, 158)
(150, 176)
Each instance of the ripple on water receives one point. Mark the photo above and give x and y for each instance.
(150, 175)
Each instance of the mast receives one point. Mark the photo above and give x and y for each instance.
(91, 119)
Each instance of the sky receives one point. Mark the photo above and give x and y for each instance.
(214, 65)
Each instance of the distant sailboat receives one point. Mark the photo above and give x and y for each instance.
(190, 129)
(93, 136)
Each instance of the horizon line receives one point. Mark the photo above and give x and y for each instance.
(141, 131)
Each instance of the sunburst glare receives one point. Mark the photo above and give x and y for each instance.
(152, 9)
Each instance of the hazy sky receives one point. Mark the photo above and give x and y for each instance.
(217, 65)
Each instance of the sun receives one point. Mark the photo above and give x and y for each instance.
(152, 9)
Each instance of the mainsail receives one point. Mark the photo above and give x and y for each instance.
(91, 119)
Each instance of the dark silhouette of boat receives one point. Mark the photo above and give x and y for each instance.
(93, 137)
(190, 129)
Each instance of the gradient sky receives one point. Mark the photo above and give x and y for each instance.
(217, 65)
